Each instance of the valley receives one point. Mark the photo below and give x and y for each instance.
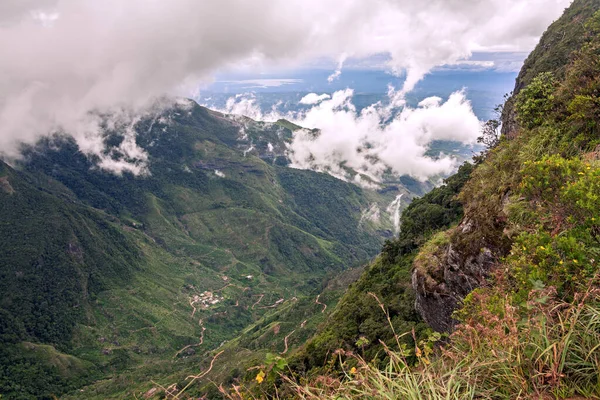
(300, 200)
(216, 246)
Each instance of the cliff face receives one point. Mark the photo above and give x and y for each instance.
(458, 273)
(458, 261)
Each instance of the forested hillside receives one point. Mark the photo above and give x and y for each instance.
(328, 226)
(504, 259)
(123, 278)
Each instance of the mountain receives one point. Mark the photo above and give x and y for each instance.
(548, 104)
(217, 270)
(553, 53)
(491, 289)
(358, 314)
(114, 278)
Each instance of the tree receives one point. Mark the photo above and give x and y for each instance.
(490, 134)
(491, 130)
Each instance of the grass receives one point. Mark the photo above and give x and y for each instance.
(553, 353)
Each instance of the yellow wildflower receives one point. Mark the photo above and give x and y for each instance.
(260, 377)
(353, 370)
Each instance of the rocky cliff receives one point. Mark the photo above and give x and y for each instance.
(454, 263)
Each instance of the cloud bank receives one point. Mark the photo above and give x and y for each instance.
(66, 61)
(382, 138)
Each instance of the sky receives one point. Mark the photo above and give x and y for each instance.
(498, 61)
(67, 61)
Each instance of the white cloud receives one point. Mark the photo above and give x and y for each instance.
(264, 83)
(378, 139)
(127, 157)
(338, 72)
(313, 98)
(366, 144)
(473, 63)
(65, 60)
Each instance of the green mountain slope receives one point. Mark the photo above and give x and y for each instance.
(512, 274)
(553, 54)
(358, 317)
(124, 279)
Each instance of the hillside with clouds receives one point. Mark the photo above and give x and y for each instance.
(294, 199)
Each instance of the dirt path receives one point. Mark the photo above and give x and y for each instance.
(225, 287)
(201, 323)
(285, 341)
(318, 302)
(192, 304)
(277, 303)
(258, 301)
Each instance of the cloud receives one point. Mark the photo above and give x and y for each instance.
(66, 61)
(338, 72)
(381, 138)
(263, 83)
(313, 98)
(246, 104)
(370, 143)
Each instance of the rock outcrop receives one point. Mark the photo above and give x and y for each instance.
(442, 281)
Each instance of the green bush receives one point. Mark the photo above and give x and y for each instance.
(535, 102)
(558, 245)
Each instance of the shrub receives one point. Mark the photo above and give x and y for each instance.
(535, 102)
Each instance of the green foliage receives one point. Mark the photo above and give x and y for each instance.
(579, 94)
(561, 39)
(53, 256)
(28, 372)
(553, 54)
(535, 101)
(559, 243)
(315, 198)
(357, 324)
(438, 209)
